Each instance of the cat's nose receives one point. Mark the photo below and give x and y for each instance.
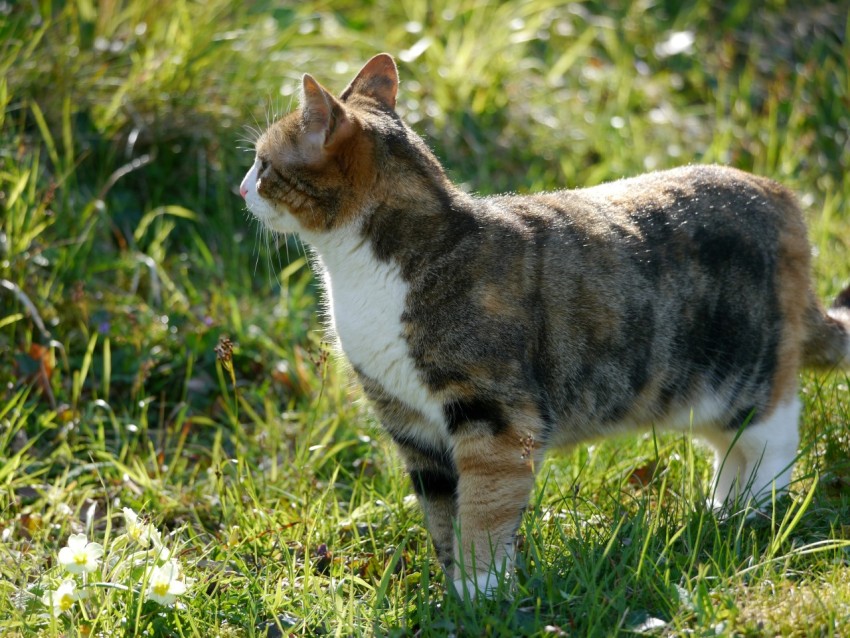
(242, 190)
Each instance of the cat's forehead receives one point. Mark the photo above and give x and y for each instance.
(280, 134)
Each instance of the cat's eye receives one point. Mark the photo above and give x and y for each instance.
(264, 164)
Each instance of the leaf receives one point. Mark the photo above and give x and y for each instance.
(36, 365)
(28, 304)
(642, 476)
(44, 357)
(150, 216)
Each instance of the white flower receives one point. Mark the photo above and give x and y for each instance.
(143, 533)
(165, 583)
(161, 554)
(80, 556)
(63, 598)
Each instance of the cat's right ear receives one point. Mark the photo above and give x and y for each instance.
(324, 118)
(378, 79)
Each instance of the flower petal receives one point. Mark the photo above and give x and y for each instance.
(66, 555)
(77, 541)
(95, 550)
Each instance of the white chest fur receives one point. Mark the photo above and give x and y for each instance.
(366, 299)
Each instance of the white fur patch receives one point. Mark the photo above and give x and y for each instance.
(277, 219)
(366, 299)
(485, 584)
(365, 302)
(707, 409)
(750, 464)
(770, 448)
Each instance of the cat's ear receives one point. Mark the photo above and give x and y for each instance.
(325, 120)
(378, 79)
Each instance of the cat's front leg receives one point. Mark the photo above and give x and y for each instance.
(434, 479)
(425, 448)
(496, 465)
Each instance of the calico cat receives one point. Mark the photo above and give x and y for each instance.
(487, 330)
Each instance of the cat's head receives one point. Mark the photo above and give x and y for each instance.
(320, 166)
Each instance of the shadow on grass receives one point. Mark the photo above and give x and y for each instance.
(647, 568)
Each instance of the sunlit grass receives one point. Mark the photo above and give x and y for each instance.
(127, 260)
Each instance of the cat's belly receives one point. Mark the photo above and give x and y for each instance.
(368, 324)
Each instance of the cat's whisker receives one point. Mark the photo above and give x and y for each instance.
(253, 133)
(267, 257)
(259, 230)
(254, 130)
(259, 127)
(272, 274)
(277, 241)
(269, 118)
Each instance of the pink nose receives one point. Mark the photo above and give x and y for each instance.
(242, 190)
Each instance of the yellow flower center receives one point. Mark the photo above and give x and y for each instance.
(66, 602)
(160, 589)
(80, 558)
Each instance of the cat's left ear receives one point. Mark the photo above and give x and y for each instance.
(378, 79)
(324, 117)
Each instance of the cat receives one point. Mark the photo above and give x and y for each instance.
(487, 330)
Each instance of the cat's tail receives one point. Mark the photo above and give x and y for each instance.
(827, 343)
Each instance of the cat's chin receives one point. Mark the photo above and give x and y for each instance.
(282, 223)
(277, 219)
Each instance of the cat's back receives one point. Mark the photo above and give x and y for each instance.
(651, 206)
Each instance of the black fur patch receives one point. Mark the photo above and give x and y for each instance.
(642, 332)
(439, 378)
(433, 483)
(843, 299)
(439, 456)
(464, 411)
(722, 251)
(742, 418)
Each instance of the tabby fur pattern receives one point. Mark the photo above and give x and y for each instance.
(487, 330)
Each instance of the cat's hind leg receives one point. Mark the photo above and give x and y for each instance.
(756, 462)
(729, 468)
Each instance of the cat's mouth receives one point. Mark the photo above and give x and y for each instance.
(276, 217)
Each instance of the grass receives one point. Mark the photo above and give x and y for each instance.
(129, 269)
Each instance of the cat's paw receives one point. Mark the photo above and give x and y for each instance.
(484, 585)
(721, 509)
(751, 507)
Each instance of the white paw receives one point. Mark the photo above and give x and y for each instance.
(484, 584)
(750, 506)
(723, 510)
